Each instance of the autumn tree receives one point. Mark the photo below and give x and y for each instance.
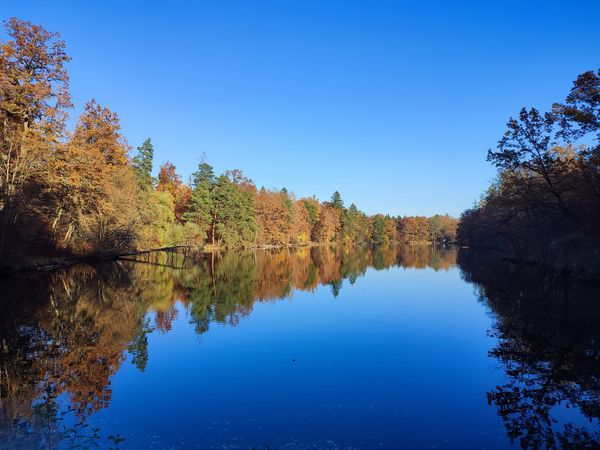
(87, 181)
(273, 209)
(161, 226)
(109, 217)
(414, 229)
(305, 214)
(328, 225)
(34, 98)
(442, 229)
(182, 201)
(98, 130)
(170, 181)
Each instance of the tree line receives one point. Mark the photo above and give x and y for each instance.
(545, 203)
(81, 191)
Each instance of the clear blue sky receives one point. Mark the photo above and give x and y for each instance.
(394, 103)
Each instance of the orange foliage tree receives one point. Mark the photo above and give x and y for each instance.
(34, 97)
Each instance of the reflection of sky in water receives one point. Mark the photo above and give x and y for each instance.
(398, 358)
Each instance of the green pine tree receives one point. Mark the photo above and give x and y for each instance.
(235, 213)
(336, 201)
(200, 209)
(142, 164)
(204, 173)
(379, 230)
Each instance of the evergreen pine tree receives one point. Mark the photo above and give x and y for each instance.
(142, 164)
(336, 201)
(200, 208)
(235, 213)
(204, 173)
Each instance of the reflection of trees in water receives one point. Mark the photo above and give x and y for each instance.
(65, 333)
(549, 346)
(422, 256)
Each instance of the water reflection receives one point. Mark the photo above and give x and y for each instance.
(65, 334)
(548, 343)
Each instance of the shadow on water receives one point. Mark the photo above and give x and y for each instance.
(548, 344)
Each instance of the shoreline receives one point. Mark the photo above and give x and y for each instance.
(48, 264)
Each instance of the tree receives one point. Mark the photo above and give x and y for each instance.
(442, 229)
(273, 210)
(236, 176)
(168, 179)
(580, 114)
(356, 226)
(160, 220)
(545, 203)
(234, 213)
(107, 211)
(384, 229)
(414, 229)
(336, 201)
(204, 174)
(99, 128)
(328, 225)
(528, 147)
(182, 201)
(162, 228)
(142, 164)
(200, 206)
(304, 216)
(34, 98)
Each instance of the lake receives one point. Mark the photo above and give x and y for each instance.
(311, 348)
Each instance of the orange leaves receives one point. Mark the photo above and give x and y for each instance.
(98, 129)
(328, 225)
(168, 179)
(274, 217)
(414, 229)
(33, 81)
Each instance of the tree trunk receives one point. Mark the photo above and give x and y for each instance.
(213, 228)
(7, 212)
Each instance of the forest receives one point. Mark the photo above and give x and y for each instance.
(544, 205)
(86, 191)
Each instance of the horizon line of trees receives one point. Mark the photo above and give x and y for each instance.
(545, 203)
(81, 191)
(229, 210)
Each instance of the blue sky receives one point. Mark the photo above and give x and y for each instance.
(394, 104)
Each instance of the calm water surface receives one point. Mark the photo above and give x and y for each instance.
(313, 348)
